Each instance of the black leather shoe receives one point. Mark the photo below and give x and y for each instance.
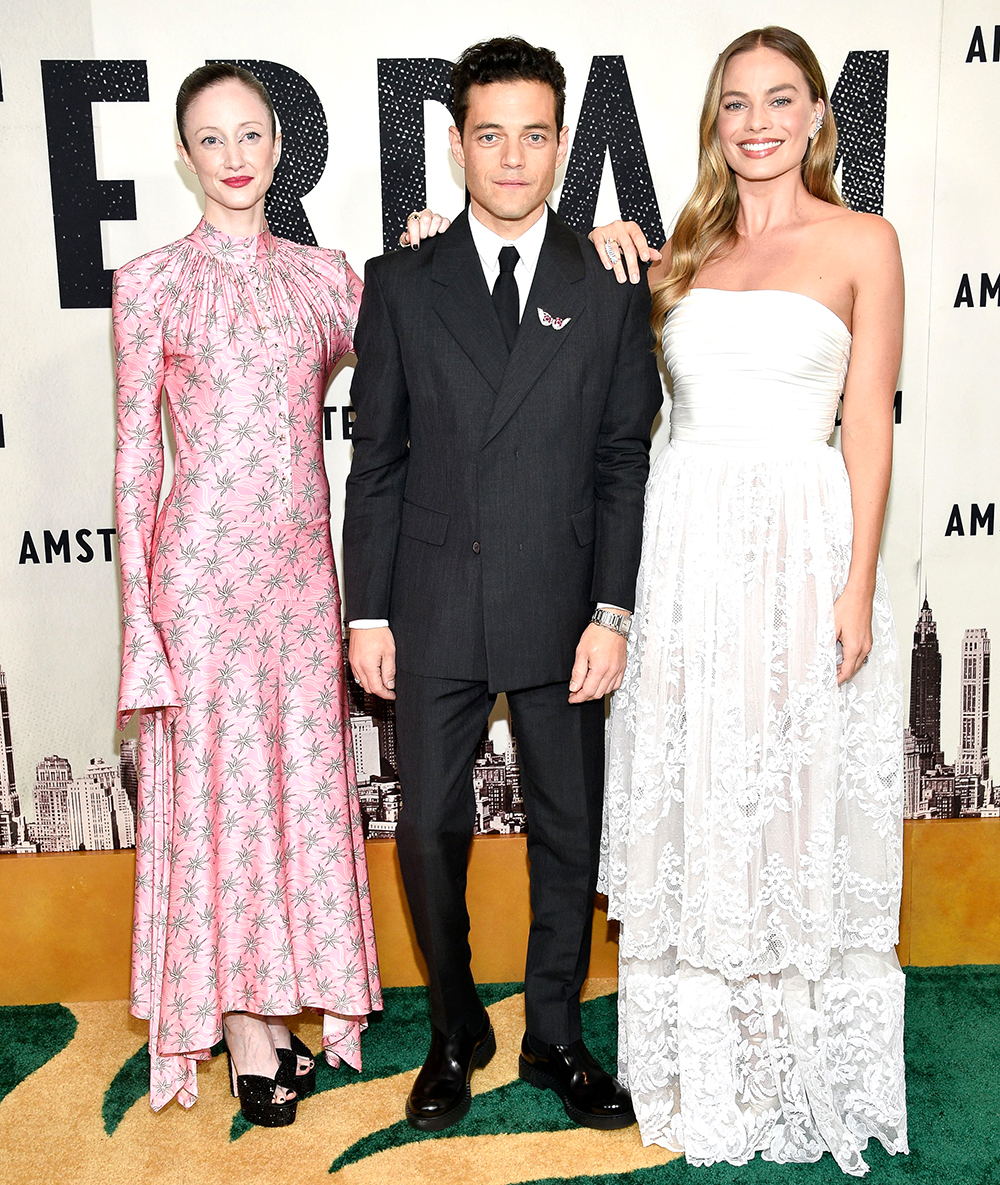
(441, 1094)
(591, 1097)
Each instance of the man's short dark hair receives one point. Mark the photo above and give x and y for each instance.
(505, 59)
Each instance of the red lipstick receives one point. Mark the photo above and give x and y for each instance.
(236, 182)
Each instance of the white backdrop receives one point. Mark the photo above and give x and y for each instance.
(59, 624)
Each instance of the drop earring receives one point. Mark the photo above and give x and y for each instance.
(817, 124)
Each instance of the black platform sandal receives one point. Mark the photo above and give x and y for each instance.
(288, 1075)
(256, 1095)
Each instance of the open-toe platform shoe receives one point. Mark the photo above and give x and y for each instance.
(288, 1076)
(256, 1095)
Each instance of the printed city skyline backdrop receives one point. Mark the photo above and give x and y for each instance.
(496, 777)
(935, 787)
(93, 807)
(92, 810)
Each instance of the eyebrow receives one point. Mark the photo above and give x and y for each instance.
(528, 127)
(787, 86)
(210, 127)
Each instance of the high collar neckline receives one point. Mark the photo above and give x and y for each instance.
(228, 249)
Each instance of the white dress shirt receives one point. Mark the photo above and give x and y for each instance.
(488, 245)
(529, 247)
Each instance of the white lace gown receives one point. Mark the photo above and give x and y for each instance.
(752, 845)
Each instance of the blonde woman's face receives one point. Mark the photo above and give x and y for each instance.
(766, 113)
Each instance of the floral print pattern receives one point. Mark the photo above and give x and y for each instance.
(251, 881)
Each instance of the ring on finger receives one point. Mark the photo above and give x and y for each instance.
(611, 251)
(404, 239)
(414, 214)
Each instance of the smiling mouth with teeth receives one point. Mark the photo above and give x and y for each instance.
(760, 146)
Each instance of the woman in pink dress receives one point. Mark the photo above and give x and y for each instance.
(251, 884)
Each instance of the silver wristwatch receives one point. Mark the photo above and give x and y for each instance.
(612, 619)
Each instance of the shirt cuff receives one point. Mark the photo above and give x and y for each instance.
(613, 608)
(369, 623)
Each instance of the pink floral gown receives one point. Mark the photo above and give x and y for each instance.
(251, 881)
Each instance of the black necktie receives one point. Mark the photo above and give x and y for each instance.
(505, 296)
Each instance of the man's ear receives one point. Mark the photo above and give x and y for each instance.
(563, 146)
(455, 137)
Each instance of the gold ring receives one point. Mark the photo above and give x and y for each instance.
(415, 214)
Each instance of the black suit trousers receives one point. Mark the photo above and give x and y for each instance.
(439, 723)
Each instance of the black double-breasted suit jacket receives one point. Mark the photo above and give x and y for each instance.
(496, 495)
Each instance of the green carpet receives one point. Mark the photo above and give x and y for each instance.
(514, 1107)
(31, 1035)
(953, 1097)
(952, 1092)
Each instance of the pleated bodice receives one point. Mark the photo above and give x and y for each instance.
(763, 367)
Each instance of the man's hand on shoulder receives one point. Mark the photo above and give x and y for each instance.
(372, 654)
(599, 665)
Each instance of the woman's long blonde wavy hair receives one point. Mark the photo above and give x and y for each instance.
(707, 224)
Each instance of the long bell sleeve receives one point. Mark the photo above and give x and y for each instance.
(146, 681)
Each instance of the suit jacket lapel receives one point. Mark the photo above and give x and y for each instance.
(465, 304)
(557, 289)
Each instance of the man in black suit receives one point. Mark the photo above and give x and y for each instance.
(505, 392)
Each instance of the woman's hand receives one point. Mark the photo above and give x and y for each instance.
(422, 225)
(620, 245)
(852, 618)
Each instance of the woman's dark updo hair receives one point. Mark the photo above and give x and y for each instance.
(205, 76)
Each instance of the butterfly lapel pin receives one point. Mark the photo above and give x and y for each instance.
(552, 322)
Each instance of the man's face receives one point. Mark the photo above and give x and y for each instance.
(510, 149)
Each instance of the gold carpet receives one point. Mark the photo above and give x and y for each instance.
(52, 1129)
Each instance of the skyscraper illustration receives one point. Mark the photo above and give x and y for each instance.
(496, 777)
(92, 813)
(912, 776)
(365, 738)
(9, 803)
(489, 782)
(925, 687)
(973, 759)
(13, 830)
(934, 789)
(53, 780)
(129, 756)
(89, 818)
(100, 809)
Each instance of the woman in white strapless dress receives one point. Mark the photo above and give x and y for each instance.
(753, 823)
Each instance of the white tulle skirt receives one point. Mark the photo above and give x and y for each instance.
(752, 847)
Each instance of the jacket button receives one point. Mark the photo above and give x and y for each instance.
(476, 548)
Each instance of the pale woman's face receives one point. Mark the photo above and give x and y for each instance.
(230, 146)
(765, 114)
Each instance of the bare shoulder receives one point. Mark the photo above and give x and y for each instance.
(867, 240)
(658, 272)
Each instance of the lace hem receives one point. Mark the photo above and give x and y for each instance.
(723, 1069)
